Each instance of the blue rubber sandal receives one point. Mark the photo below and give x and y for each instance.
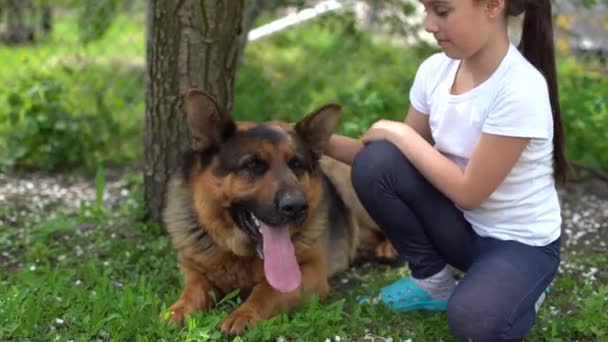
(542, 298)
(404, 295)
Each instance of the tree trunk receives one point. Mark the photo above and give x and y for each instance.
(17, 29)
(189, 44)
(46, 19)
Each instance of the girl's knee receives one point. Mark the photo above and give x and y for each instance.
(471, 320)
(374, 162)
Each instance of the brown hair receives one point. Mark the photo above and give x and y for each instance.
(536, 45)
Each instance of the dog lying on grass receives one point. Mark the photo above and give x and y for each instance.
(258, 208)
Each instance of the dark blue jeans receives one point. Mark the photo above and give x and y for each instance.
(495, 299)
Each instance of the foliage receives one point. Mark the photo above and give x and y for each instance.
(286, 76)
(100, 273)
(49, 126)
(95, 18)
(584, 107)
(42, 131)
(593, 3)
(66, 106)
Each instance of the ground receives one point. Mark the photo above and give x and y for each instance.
(584, 204)
(29, 200)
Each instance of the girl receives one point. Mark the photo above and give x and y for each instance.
(469, 179)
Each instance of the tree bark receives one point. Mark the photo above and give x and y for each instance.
(18, 31)
(46, 19)
(189, 44)
(251, 11)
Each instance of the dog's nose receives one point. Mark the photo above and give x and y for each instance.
(292, 204)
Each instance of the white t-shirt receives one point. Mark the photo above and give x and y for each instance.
(514, 101)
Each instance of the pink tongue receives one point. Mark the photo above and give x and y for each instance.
(280, 264)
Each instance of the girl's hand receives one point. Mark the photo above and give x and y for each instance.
(392, 131)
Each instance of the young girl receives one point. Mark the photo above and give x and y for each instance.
(469, 179)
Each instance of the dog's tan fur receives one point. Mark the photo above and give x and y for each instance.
(216, 256)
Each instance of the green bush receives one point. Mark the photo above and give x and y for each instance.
(57, 117)
(41, 131)
(65, 105)
(288, 75)
(584, 104)
(51, 121)
(95, 19)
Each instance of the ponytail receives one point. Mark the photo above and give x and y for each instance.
(536, 45)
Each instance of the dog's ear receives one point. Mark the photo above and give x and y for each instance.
(317, 127)
(209, 124)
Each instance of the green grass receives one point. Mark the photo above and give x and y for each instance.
(123, 41)
(100, 273)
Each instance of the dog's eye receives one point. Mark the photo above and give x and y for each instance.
(255, 166)
(296, 165)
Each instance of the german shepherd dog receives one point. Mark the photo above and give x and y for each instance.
(258, 208)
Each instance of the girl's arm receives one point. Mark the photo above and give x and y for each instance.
(343, 148)
(491, 161)
(420, 123)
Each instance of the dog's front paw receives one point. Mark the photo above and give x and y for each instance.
(177, 312)
(239, 320)
(385, 250)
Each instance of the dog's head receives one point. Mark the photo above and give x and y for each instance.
(255, 185)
